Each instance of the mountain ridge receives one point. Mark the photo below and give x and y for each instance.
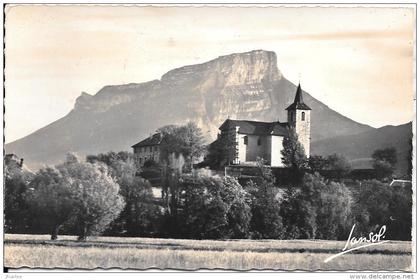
(243, 85)
(358, 148)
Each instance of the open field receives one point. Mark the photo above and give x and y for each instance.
(143, 253)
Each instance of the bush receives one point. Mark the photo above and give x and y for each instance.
(266, 202)
(379, 204)
(213, 208)
(318, 209)
(140, 215)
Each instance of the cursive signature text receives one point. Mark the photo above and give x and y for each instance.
(354, 243)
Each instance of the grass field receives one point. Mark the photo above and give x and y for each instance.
(142, 253)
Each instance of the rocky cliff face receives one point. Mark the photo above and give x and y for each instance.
(243, 86)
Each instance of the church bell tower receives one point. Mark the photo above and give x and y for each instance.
(299, 117)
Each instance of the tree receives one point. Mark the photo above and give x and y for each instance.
(318, 209)
(186, 140)
(139, 215)
(384, 161)
(298, 210)
(94, 193)
(339, 164)
(213, 207)
(334, 210)
(388, 154)
(293, 155)
(378, 204)
(217, 156)
(51, 198)
(110, 157)
(266, 199)
(76, 192)
(16, 181)
(317, 163)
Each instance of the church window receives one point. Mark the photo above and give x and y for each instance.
(246, 140)
(303, 116)
(259, 141)
(291, 116)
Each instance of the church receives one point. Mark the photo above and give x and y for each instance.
(253, 139)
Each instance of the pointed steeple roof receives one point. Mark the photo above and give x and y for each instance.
(298, 103)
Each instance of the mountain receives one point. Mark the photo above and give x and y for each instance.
(359, 147)
(244, 86)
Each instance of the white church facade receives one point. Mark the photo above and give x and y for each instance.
(253, 139)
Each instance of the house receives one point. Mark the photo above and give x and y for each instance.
(147, 149)
(253, 139)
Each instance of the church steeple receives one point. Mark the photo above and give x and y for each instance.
(298, 103)
(299, 117)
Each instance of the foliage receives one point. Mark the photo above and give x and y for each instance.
(140, 215)
(379, 204)
(15, 208)
(384, 161)
(317, 163)
(51, 198)
(266, 199)
(339, 164)
(150, 163)
(75, 192)
(293, 154)
(213, 208)
(318, 209)
(110, 157)
(217, 156)
(186, 140)
(388, 154)
(95, 196)
(334, 216)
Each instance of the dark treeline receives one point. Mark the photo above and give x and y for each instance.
(199, 205)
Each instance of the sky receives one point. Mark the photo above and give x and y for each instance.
(358, 61)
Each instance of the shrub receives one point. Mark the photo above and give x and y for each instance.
(213, 208)
(266, 202)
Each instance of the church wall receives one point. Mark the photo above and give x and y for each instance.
(276, 148)
(241, 148)
(250, 152)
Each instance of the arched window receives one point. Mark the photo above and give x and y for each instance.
(303, 116)
(259, 141)
(246, 140)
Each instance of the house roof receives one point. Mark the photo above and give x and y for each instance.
(257, 128)
(298, 103)
(153, 140)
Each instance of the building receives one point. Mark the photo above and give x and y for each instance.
(147, 149)
(252, 139)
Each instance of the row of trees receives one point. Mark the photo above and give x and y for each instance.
(104, 195)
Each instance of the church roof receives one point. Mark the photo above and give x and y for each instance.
(257, 128)
(298, 103)
(153, 140)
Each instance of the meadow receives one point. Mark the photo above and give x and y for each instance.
(37, 251)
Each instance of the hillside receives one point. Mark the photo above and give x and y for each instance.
(246, 86)
(359, 147)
